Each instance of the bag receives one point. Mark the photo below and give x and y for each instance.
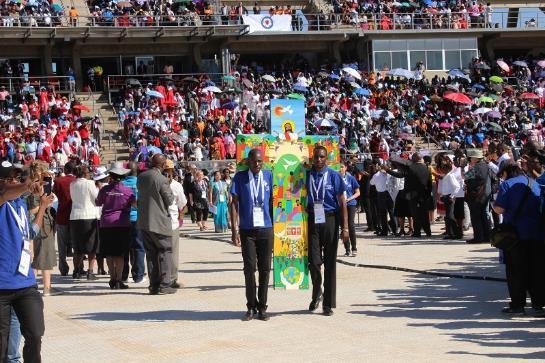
(505, 236)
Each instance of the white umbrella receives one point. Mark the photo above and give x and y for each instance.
(355, 85)
(352, 72)
(482, 110)
(301, 84)
(401, 72)
(323, 123)
(381, 113)
(212, 89)
(269, 78)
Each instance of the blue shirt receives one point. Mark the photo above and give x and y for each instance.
(350, 185)
(528, 222)
(130, 182)
(240, 187)
(334, 187)
(11, 248)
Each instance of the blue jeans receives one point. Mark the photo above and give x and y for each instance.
(136, 256)
(14, 341)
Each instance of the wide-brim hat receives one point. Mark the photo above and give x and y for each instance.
(117, 168)
(100, 173)
(475, 153)
(7, 168)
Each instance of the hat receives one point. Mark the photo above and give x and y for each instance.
(100, 173)
(169, 164)
(475, 153)
(117, 168)
(6, 169)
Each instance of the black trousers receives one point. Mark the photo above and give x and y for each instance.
(524, 270)
(351, 228)
(385, 210)
(159, 258)
(371, 213)
(451, 223)
(323, 241)
(421, 218)
(256, 245)
(479, 220)
(29, 307)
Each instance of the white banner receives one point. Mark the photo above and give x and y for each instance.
(266, 22)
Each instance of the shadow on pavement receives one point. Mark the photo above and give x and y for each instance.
(161, 315)
(211, 270)
(458, 308)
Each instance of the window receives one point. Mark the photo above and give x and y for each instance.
(467, 56)
(381, 45)
(452, 59)
(434, 60)
(382, 60)
(417, 56)
(398, 45)
(451, 44)
(399, 60)
(434, 44)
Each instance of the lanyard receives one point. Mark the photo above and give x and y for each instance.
(20, 219)
(321, 185)
(254, 188)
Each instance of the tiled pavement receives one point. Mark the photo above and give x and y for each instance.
(382, 315)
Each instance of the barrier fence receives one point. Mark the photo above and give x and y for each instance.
(61, 84)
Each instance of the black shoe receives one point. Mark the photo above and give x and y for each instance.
(448, 237)
(249, 315)
(262, 315)
(112, 284)
(474, 241)
(383, 234)
(76, 275)
(176, 285)
(101, 271)
(167, 291)
(347, 253)
(428, 234)
(121, 286)
(513, 311)
(314, 304)
(416, 235)
(327, 311)
(91, 276)
(64, 273)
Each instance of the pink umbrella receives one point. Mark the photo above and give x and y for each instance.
(445, 125)
(541, 63)
(458, 97)
(529, 96)
(503, 65)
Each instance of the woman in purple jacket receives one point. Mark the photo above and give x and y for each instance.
(116, 200)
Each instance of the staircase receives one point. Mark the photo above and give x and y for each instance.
(420, 143)
(111, 138)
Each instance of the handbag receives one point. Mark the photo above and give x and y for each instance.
(505, 236)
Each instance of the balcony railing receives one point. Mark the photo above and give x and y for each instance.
(33, 84)
(307, 22)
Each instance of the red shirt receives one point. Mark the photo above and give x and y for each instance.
(61, 188)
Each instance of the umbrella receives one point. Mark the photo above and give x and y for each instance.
(400, 72)
(247, 83)
(124, 4)
(520, 64)
(493, 96)
(153, 93)
(323, 74)
(354, 85)
(486, 99)
(458, 97)
(299, 88)
(81, 108)
(496, 79)
(456, 73)
(482, 66)
(334, 76)
(529, 96)
(352, 72)
(269, 78)
(230, 105)
(212, 89)
(362, 92)
(57, 7)
(133, 82)
(494, 127)
(190, 79)
(209, 83)
(494, 114)
(503, 65)
(436, 98)
(478, 86)
(482, 110)
(323, 123)
(445, 125)
(541, 63)
(296, 96)
(229, 78)
(381, 113)
(302, 83)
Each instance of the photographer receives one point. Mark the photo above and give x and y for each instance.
(18, 290)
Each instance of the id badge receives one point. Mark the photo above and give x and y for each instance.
(319, 213)
(259, 217)
(203, 195)
(24, 263)
(222, 198)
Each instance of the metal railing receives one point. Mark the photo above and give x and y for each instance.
(500, 18)
(33, 84)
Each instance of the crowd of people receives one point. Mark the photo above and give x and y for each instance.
(30, 13)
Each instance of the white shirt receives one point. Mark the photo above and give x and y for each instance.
(449, 184)
(83, 193)
(380, 180)
(179, 203)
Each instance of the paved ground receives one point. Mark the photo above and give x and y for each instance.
(382, 315)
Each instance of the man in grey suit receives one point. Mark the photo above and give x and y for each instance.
(155, 224)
